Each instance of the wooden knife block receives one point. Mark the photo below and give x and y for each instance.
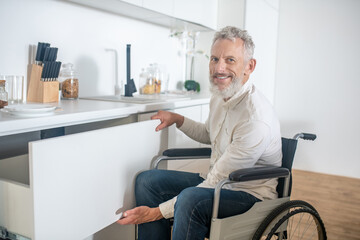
(40, 91)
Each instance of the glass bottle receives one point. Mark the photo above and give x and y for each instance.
(157, 78)
(148, 86)
(69, 82)
(3, 94)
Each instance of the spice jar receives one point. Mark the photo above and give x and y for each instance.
(69, 82)
(3, 94)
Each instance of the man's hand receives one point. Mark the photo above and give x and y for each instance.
(167, 119)
(140, 215)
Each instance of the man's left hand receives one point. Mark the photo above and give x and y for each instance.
(140, 215)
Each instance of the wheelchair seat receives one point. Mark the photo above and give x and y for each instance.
(279, 218)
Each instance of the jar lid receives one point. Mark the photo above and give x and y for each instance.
(68, 70)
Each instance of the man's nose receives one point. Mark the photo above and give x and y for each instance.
(220, 66)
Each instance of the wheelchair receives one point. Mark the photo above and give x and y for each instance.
(279, 218)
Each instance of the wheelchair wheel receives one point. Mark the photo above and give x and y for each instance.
(292, 220)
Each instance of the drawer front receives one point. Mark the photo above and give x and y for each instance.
(81, 181)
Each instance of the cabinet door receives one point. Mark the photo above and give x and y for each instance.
(134, 2)
(161, 6)
(203, 12)
(178, 139)
(80, 182)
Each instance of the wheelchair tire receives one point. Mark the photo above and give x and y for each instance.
(282, 217)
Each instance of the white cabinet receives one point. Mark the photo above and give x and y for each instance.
(203, 12)
(134, 2)
(231, 13)
(77, 183)
(161, 6)
(196, 15)
(178, 139)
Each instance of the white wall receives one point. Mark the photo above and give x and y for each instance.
(82, 34)
(317, 82)
(264, 31)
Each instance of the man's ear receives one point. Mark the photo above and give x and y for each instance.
(250, 66)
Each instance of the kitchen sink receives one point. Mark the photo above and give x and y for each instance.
(141, 99)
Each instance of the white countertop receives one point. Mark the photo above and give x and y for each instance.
(73, 112)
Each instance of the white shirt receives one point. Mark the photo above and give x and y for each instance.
(244, 132)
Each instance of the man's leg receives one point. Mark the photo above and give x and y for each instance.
(157, 186)
(193, 210)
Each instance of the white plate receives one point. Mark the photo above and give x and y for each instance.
(30, 108)
(26, 114)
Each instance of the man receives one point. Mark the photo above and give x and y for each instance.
(243, 131)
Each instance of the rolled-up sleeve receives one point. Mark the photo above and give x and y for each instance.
(167, 208)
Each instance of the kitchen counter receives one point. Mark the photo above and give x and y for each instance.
(61, 160)
(74, 112)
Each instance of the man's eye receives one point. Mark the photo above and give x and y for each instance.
(231, 60)
(214, 59)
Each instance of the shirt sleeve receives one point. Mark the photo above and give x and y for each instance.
(167, 208)
(196, 130)
(249, 141)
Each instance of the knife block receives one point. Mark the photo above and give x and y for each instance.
(41, 91)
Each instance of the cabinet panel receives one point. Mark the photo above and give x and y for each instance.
(203, 12)
(81, 181)
(178, 139)
(161, 6)
(135, 2)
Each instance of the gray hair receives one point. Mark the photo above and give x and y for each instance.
(232, 33)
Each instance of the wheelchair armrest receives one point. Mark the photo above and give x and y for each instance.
(182, 154)
(249, 174)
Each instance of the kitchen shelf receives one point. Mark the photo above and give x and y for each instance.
(142, 14)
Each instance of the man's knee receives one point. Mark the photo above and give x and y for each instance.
(193, 197)
(150, 178)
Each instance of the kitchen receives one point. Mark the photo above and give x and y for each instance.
(83, 33)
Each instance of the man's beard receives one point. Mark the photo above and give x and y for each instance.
(226, 93)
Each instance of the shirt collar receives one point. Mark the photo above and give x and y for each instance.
(246, 88)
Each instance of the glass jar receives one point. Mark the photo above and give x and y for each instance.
(3, 94)
(157, 77)
(145, 83)
(69, 82)
(150, 80)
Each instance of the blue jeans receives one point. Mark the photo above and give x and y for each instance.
(193, 208)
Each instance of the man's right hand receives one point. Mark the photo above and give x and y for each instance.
(167, 119)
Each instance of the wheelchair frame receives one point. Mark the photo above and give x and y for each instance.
(264, 220)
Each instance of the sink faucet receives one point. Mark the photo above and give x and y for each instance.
(117, 84)
(130, 87)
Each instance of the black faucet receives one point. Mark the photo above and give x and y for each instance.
(130, 87)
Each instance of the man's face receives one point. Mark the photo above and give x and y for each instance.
(227, 63)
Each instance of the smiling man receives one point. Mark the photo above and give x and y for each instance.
(243, 131)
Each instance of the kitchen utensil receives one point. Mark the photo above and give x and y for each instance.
(41, 52)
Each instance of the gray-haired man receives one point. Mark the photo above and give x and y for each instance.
(243, 131)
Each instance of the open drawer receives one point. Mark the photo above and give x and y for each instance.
(76, 183)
